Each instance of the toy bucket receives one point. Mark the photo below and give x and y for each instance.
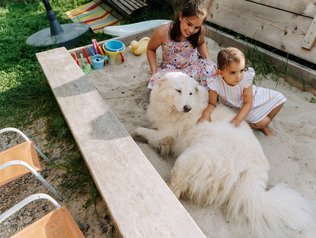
(115, 51)
(114, 45)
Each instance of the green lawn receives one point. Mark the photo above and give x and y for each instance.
(25, 96)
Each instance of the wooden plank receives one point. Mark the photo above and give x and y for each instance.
(279, 29)
(310, 36)
(119, 7)
(294, 6)
(127, 5)
(133, 5)
(138, 3)
(140, 202)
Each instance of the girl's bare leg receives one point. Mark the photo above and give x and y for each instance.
(263, 125)
(266, 131)
(275, 111)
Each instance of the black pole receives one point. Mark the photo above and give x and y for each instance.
(55, 27)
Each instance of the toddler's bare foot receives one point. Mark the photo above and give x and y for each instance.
(266, 131)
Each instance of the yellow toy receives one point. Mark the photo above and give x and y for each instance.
(139, 47)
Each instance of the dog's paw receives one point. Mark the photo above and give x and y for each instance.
(138, 135)
(177, 193)
(174, 189)
(165, 146)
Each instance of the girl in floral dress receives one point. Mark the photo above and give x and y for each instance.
(233, 85)
(183, 45)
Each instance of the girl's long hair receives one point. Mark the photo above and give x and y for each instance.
(189, 8)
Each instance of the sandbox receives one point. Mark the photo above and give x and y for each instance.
(104, 106)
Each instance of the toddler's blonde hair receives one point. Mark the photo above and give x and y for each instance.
(229, 55)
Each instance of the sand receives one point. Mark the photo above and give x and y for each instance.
(290, 151)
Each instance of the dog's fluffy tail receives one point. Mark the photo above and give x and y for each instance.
(277, 212)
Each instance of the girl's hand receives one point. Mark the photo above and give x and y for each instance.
(235, 122)
(204, 118)
(153, 72)
(246, 107)
(201, 120)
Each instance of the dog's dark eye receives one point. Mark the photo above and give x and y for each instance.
(178, 90)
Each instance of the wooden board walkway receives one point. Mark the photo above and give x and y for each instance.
(140, 202)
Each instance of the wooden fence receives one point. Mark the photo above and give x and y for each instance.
(287, 25)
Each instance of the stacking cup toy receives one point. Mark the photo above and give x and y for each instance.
(114, 50)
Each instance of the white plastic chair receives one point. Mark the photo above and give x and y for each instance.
(22, 159)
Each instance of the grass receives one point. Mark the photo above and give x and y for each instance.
(312, 100)
(263, 67)
(25, 95)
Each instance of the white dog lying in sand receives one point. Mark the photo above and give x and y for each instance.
(218, 164)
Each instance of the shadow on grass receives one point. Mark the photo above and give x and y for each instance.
(25, 95)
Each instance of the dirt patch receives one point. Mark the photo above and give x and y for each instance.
(94, 221)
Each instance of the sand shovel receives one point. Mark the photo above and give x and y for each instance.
(86, 67)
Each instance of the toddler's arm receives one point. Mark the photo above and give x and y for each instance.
(246, 107)
(212, 99)
(155, 41)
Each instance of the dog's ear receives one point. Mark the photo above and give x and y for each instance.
(198, 88)
(161, 81)
(161, 89)
(166, 93)
(201, 93)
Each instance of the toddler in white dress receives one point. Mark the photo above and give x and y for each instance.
(233, 85)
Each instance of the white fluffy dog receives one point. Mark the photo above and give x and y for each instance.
(219, 164)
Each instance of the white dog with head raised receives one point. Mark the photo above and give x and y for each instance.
(219, 164)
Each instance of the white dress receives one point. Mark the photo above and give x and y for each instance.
(264, 100)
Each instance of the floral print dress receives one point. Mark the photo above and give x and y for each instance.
(181, 56)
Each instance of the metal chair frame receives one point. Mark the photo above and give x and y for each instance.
(26, 165)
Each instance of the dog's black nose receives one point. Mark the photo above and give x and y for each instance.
(187, 108)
